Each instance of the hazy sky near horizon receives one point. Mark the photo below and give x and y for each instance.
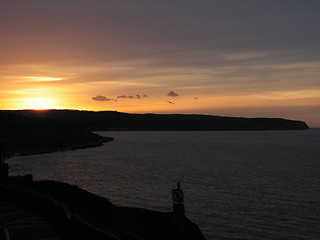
(237, 58)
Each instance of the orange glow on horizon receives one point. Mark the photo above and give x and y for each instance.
(51, 91)
(36, 97)
(37, 103)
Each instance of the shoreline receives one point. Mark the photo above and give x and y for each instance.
(28, 152)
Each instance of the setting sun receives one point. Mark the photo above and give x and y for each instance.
(138, 63)
(40, 104)
(36, 98)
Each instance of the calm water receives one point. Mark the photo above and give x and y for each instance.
(238, 185)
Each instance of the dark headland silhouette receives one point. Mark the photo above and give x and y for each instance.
(23, 135)
(30, 132)
(110, 120)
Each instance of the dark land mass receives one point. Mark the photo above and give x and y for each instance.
(109, 120)
(74, 212)
(21, 135)
(78, 214)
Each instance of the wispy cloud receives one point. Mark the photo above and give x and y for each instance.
(137, 96)
(44, 79)
(125, 96)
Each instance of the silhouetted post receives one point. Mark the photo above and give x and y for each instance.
(4, 169)
(178, 210)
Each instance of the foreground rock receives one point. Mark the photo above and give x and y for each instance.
(78, 214)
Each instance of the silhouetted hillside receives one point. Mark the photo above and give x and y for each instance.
(78, 214)
(142, 222)
(108, 120)
(28, 134)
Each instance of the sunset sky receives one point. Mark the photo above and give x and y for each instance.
(245, 58)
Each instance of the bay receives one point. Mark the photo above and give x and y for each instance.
(237, 184)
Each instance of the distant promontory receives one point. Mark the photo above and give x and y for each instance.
(30, 131)
(110, 120)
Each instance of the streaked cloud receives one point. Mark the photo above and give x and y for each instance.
(125, 96)
(137, 96)
(43, 79)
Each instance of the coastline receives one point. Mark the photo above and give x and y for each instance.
(27, 152)
(74, 213)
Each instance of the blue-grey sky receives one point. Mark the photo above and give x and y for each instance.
(237, 58)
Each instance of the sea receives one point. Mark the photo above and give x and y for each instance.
(237, 184)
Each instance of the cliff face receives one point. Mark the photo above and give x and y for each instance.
(100, 121)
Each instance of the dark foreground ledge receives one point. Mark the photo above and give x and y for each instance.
(78, 214)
